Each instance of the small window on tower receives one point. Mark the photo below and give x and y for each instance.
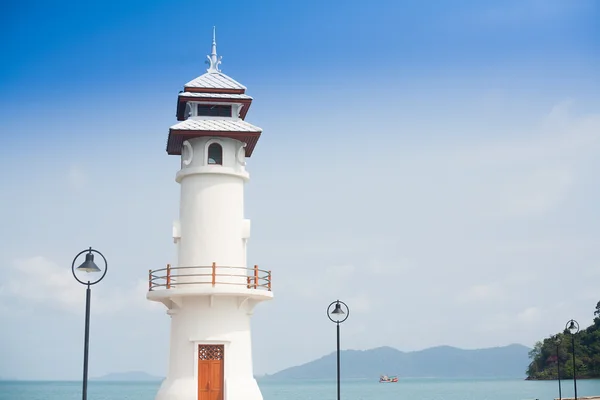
(214, 110)
(215, 154)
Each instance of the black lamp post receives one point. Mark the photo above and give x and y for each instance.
(573, 327)
(338, 315)
(557, 341)
(89, 267)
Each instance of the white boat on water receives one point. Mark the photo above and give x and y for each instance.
(388, 379)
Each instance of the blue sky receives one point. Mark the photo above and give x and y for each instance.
(69, 43)
(440, 159)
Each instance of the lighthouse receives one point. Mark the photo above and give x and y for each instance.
(211, 290)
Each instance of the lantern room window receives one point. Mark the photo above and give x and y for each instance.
(214, 110)
(215, 154)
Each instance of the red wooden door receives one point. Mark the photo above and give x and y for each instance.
(210, 372)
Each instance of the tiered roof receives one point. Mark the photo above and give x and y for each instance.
(213, 87)
(215, 80)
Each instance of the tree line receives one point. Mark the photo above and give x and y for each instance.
(547, 354)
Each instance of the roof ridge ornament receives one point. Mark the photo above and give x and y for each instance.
(213, 60)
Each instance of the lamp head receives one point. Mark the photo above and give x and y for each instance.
(573, 327)
(337, 311)
(557, 340)
(89, 265)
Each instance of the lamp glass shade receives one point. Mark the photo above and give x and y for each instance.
(89, 265)
(573, 328)
(338, 312)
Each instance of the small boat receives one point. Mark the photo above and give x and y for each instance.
(388, 379)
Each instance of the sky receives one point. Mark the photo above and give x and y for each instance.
(433, 166)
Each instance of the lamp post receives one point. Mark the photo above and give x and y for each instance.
(89, 267)
(338, 315)
(573, 327)
(557, 341)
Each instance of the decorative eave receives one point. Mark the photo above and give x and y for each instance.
(216, 96)
(185, 97)
(190, 128)
(213, 90)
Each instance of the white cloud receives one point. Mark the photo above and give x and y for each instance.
(496, 323)
(559, 136)
(338, 272)
(391, 268)
(559, 117)
(530, 315)
(480, 293)
(41, 282)
(528, 174)
(536, 192)
(361, 302)
(526, 11)
(503, 322)
(76, 177)
(313, 282)
(591, 295)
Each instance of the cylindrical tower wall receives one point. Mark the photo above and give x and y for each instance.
(212, 212)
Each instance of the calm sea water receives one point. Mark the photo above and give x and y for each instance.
(406, 389)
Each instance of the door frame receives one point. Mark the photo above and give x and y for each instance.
(225, 344)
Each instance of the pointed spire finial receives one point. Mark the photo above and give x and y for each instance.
(213, 59)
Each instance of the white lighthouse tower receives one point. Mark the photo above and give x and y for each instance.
(211, 292)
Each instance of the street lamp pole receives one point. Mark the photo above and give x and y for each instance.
(573, 327)
(338, 315)
(86, 341)
(338, 361)
(88, 266)
(557, 341)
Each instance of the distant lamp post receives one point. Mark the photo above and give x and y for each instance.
(557, 341)
(573, 327)
(89, 267)
(338, 315)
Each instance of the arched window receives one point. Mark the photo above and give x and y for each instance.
(215, 154)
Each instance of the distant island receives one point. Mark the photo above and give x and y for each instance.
(133, 376)
(437, 362)
(544, 358)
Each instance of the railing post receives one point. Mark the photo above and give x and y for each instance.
(214, 274)
(255, 276)
(168, 276)
(248, 282)
(149, 279)
(269, 284)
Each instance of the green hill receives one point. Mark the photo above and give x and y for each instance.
(544, 357)
(438, 362)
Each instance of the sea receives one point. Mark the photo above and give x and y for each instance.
(405, 389)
